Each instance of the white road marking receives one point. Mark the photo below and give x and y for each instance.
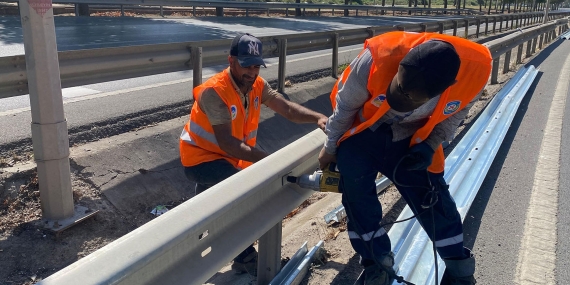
(123, 91)
(537, 254)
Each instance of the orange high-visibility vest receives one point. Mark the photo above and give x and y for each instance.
(198, 143)
(387, 51)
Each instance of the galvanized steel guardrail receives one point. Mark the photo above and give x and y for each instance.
(263, 5)
(465, 169)
(192, 241)
(90, 66)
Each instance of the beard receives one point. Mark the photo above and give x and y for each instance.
(245, 81)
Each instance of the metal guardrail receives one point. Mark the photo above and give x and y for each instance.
(466, 168)
(262, 5)
(203, 234)
(82, 67)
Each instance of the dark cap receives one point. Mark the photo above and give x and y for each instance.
(248, 50)
(437, 62)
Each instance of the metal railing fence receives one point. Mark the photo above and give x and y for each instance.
(82, 67)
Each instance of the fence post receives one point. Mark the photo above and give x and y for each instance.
(486, 26)
(454, 27)
(194, 11)
(507, 62)
(335, 56)
(196, 56)
(122, 11)
(161, 12)
(501, 24)
(540, 41)
(440, 27)
(494, 25)
(519, 54)
(282, 64)
(478, 23)
(495, 71)
(528, 47)
(269, 257)
(534, 45)
(466, 22)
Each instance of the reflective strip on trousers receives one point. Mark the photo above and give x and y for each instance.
(366, 236)
(449, 241)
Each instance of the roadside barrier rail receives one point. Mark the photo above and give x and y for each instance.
(80, 67)
(267, 6)
(189, 243)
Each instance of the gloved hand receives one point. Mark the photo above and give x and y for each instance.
(419, 157)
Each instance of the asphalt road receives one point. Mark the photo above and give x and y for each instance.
(495, 224)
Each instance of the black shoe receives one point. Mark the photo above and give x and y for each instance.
(450, 280)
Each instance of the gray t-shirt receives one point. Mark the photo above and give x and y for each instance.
(353, 94)
(217, 111)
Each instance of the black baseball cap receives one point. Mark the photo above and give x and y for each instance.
(437, 62)
(248, 50)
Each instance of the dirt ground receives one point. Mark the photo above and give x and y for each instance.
(28, 253)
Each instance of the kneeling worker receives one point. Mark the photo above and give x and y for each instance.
(394, 105)
(220, 138)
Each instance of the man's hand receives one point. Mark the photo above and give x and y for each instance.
(325, 158)
(419, 157)
(322, 122)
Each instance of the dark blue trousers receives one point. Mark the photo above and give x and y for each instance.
(359, 159)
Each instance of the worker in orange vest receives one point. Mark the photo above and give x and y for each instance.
(220, 138)
(394, 106)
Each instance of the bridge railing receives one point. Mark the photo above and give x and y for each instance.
(80, 67)
(188, 244)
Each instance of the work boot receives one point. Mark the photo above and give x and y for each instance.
(459, 272)
(375, 274)
(246, 262)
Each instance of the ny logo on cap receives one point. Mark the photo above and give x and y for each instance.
(253, 48)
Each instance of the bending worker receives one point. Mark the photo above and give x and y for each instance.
(219, 139)
(394, 105)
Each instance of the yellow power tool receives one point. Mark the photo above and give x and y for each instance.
(323, 180)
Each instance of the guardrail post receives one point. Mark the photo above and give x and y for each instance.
(519, 54)
(494, 25)
(495, 71)
(335, 56)
(466, 22)
(454, 27)
(319, 12)
(507, 62)
(196, 57)
(540, 41)
(534, 45)
(303, 12)
(219, 11)
(512, 21)
(478, 23)
(161, 12)
(282, 45)
(269, 257)
(267, 12)
(356, 12)
(194, 11)
(122, 11)
(287, 12)
(246, 12)
(528, 46)
(440, 28)
(423, 27)
(501, 24)
(486, 26)
(49, 127)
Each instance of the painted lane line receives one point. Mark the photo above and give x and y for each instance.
(156, 85)
(537, 254)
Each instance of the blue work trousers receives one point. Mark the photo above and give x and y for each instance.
(359, 159)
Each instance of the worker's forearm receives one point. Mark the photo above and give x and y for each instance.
(243, 151)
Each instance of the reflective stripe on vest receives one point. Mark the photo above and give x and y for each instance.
(387, 51)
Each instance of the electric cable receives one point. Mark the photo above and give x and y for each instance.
(432, 192)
